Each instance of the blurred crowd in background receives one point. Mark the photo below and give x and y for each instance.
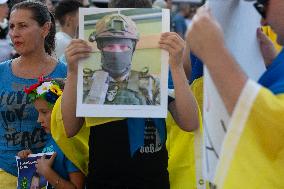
(181, 15)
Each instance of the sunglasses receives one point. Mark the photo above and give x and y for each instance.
(261, 6)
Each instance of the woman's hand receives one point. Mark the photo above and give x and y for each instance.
(267, 48)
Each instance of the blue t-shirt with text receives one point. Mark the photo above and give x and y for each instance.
(18, 118)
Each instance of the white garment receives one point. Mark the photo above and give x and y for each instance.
(188, 22)
(62, 40)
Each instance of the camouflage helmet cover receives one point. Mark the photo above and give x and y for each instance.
(116, 26)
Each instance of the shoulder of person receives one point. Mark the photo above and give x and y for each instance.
(61, 67)
(5, 65)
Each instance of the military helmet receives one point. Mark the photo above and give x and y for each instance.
(115, 26)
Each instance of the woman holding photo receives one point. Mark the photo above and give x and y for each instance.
(32, 31)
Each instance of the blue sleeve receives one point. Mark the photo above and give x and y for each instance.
(70, 167)
(60, 70)
(63, 68)
(196, 68)
(273, 78)
(62, 165)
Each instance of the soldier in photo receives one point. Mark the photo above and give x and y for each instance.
(116, 83)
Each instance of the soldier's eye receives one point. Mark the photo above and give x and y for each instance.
(116, 48)
(109, 47)
(124, 47)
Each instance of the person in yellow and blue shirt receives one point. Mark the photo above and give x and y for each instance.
(134, 167)
(253, 148)
(118, 158)
(180, 166)
(119, 154)
(185, 154)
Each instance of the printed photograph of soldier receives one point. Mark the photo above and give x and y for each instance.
(116, 76)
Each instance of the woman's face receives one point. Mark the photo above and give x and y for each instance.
(26, 34)
(44, 114)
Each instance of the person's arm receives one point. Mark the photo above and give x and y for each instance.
(77, 50)
(205, 39)
(44, 168)
(184, 108)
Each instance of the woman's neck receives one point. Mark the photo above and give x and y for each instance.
(33, 66)
(33, 59)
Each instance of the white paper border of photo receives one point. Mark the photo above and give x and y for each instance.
(94, 110)
(36, 155)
